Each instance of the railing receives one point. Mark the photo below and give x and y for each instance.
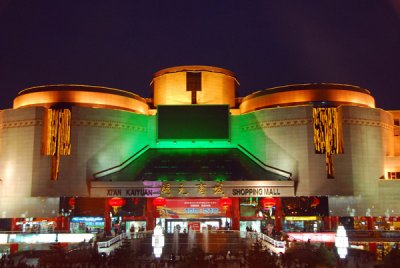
(275, 170)
(109, 243)
(122, 165)
(266, 238)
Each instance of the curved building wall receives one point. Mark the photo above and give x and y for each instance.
(21, 164)
(283, 138)
(100, 139)
(365, 133)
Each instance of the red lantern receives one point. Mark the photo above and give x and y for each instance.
(268, 202)
(159, 202)
(71, 202)
(315, 202)
(116, 203)
(225, 202)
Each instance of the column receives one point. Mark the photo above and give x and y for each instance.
(59, 223)
(327, 223)
(278, 214)
(107, 218)
(66, 224)
(62, 223)
(14, 226)
(334, 222)
(370, 223)
(150, 214)
(372, 247)
(235, 209)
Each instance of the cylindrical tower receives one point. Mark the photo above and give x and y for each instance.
(194, 85)
(49, 96)
(315, 94)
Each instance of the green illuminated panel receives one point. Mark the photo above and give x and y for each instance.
(193, 122)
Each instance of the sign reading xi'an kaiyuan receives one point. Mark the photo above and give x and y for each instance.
(192, 189)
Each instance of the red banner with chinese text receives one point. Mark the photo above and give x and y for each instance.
(191, 208)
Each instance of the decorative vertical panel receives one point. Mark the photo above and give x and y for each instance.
(57, 130)
(327, 135)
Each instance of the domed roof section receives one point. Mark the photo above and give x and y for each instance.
(80, 95)
(316, 94)
(194, 84)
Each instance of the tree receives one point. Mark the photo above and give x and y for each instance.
(324, 257)
(392, 259)
(261, 257)
(196, 258)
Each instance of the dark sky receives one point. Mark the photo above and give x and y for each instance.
(266, 43)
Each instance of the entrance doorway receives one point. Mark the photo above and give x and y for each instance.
(182, 225)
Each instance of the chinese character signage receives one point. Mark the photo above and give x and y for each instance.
(186, 189)
(191, 208)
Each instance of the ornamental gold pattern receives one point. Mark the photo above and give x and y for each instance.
(57, 137)
(327, 135)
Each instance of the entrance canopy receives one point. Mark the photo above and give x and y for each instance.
(226, 164)
(192, 173)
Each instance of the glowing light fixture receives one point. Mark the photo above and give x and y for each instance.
(159, 202)
(225, 202)
(268, 202)
(116, 203)
(71, 202)
(157, 241)
(341, 241)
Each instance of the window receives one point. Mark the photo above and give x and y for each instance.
(393, 175)
(193, 84)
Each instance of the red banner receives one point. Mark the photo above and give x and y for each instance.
(191, 208)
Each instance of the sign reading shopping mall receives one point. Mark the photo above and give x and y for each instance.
(191, 188)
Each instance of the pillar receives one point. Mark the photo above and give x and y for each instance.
(66, 221)
(327, 223)
(235, 209)
(59, 224)
(150, 214)
(370, 223)
(14, 226)
(372, 248)
(107, 218)
(278, 214)
(62, 223)
(334, 222)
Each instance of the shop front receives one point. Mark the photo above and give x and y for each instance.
(306, 214)
(182, 214)
(87, 224)
(35, 225)
(306, 224)
(196, 205)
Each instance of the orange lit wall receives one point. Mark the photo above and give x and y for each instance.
(81, 98)
(218, 86)
(298, 97)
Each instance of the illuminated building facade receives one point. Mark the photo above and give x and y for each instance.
(324, 152)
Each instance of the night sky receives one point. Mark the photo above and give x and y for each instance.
(266, 43)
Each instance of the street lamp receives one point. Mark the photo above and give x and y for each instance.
(341, 241)
(158, 241)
